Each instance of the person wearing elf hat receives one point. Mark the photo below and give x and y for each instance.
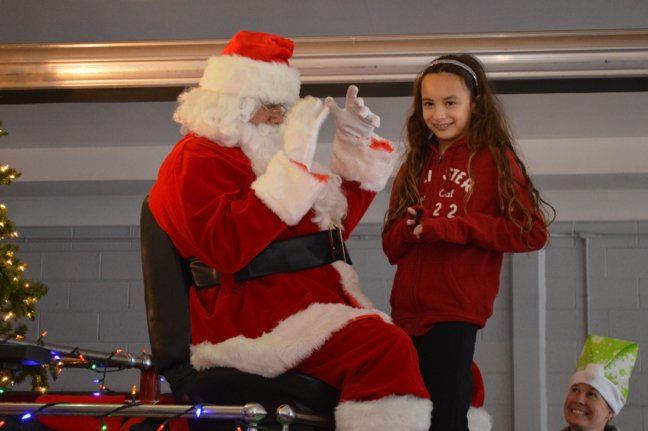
(598, 389)
(264, 226)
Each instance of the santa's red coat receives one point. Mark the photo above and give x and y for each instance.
(214, 208)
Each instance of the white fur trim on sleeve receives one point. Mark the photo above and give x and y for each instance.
(357, 161)
(284, 347)
(593, 376)
(287, 189)
(393, 413)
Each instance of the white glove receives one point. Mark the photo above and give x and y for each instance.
(302, 127)
(355, 120)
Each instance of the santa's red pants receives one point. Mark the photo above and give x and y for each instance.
(375, 366)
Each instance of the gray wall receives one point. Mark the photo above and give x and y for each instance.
(31, 21)
(595, 276)
(596, 283)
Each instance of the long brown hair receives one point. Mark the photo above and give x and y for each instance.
(488, 128)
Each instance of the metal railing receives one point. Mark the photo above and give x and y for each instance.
(146, 406)
(79, 357)
(251, 413)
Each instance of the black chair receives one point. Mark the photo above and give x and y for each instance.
(166, 282)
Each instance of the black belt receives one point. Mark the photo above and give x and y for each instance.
(283, 256)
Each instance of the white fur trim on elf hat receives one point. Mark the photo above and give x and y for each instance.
(593, 376)
(270, 82)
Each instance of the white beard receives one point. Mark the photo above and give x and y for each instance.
(260, 143)
(225, 119)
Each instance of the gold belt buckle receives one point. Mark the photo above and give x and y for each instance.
(344, 257)
(332, 243)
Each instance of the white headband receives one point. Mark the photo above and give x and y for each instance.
(460, 64)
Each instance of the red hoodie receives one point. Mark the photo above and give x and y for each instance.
(452, 272)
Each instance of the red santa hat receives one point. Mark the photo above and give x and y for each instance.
(478, 386)
(478, 418)
(254, 64)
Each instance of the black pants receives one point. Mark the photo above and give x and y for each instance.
(445, 356)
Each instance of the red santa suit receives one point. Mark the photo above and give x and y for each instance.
(223, 198)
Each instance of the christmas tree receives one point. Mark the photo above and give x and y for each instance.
(18, 297)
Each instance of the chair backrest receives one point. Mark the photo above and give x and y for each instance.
(166, 280)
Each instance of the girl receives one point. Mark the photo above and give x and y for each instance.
(461, 199)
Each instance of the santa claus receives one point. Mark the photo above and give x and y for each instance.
(265, 226)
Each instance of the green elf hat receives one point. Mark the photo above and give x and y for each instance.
(606, 365)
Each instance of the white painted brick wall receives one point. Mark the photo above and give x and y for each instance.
(95, 299)
(96, 302)
(618, 269)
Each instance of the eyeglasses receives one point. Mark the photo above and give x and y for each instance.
(275, 108)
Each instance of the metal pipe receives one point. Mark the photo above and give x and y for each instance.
(287, 415)
(251, 413)
(78, 357)
(587, 288)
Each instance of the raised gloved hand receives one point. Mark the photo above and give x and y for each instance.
(302, 127)
(354, 120)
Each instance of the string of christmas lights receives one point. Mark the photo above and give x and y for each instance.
(18, 297)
